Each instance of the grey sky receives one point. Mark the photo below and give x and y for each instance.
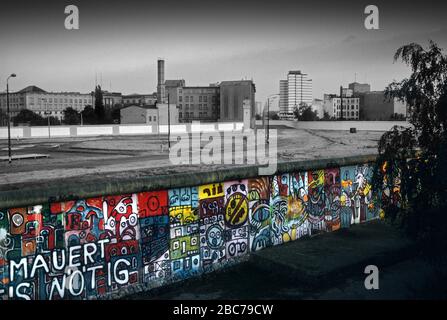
(210, 41)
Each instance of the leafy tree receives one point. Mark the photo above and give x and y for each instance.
(99, 105)
(414, 159)
(3, 118)
(71, 116)
(304, 113)
(89, 115)
(29, 117)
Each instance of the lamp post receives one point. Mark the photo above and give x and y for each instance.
(47, 113)
(169, 126)
(13, 75)
(268, 117)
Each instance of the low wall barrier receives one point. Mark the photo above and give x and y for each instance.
(110, 238)
(116, 130)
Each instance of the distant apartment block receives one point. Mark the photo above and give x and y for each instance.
(112, 99)
(295, 91)
(139, 99)
(359, 87)
(198, 103)
(333, 106)
(232, 96)
(217, 102)
(44, 103)
(171, 89)
(139, 114)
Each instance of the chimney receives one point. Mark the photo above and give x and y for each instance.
(161, 81)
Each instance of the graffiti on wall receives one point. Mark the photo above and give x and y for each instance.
(94, 247)
(236, 218)
(317, 200)
(259, 213)
(297, 211)
(212, 225)
(184, 231)
(357, 201)
(153, 211)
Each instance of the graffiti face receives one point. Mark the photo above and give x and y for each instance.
(236, 218)
(121, 217)
(212, 243)
(236, 210)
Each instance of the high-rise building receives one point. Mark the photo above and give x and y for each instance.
(283, 96)
(294, 92)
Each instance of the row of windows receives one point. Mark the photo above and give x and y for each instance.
(187, 106)
(150, 118)
(201, 98)
(191, 114)
(347, 107)
(60, 100)
(57, 107)
(196, 91)
(352, 114)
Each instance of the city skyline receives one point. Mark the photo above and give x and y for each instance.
(120, 43)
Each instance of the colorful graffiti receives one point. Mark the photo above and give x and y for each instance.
(184, 232)
(236, 218)
(357, 201)
(212, 226)
(95, 247)
(260, 217)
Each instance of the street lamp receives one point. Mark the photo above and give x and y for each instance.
(268, 116)
(13, 75)
(169, 126)
(48, 113)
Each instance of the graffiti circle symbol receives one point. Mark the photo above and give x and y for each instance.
(214, 237)
(236, 210)
(17, 219)
(133, 219)
(153, 203)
